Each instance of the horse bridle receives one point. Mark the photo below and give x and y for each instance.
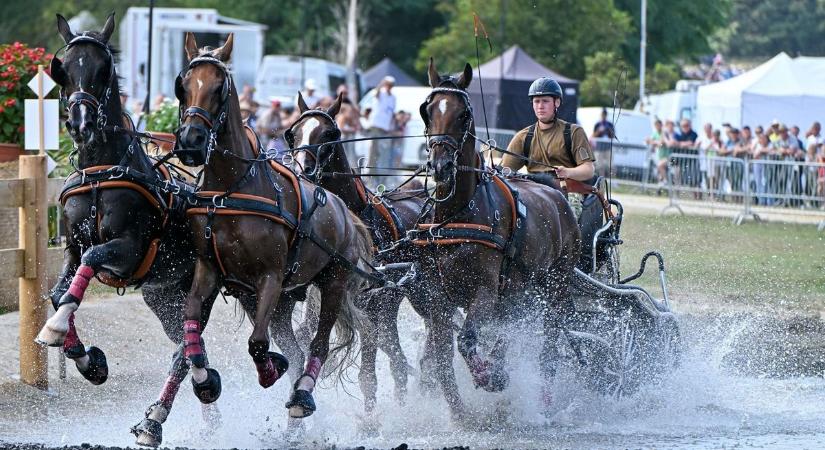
(84, 98)
(331, 135)
(445, 140)
(212, 125)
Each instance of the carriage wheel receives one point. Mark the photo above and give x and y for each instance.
(622, 368)
(608, 271)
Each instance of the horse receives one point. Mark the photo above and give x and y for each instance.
(125, 225)
(258, 230)
(497, 248)
(387, 216)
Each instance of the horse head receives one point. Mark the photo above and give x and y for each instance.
(315, 126)
(87, 80)
(204, 90)
(448, 116)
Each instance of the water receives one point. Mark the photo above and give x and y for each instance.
(710, 401)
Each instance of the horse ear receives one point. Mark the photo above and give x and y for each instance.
(191, 46)
(56, 71)
(225, 52)
(64, 29)
(435, 80)
(336, 105)
(302, 105)
(108, 28)
(466, 77)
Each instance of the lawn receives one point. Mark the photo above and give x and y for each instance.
(710, 259)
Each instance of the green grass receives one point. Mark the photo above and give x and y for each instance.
(751, 264)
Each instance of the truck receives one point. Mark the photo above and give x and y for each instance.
(281, 77)
(169, 26)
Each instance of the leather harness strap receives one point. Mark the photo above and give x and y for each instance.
(388, 214)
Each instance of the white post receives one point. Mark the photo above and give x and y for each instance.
(643, 55)
(352, 50)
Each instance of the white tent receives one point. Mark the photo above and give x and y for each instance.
(791, 91)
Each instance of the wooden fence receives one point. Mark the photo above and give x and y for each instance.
(32, 192)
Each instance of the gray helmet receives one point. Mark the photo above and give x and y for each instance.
(545, 86)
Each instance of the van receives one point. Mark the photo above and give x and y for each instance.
(280, 77)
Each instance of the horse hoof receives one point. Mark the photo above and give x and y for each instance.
(210, 389)
(149, 433)
(98, 370)
(51, 336)
(498, 381)
(266, 376)
(301, 404)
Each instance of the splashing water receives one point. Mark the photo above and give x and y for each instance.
(707, 402)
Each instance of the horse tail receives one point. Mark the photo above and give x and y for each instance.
(350, 319)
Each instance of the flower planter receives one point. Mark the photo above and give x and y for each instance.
(9, 152)
(163, 146)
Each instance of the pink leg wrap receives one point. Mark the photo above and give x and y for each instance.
(313, 367)
(267, 373)
(170, 390)
(192, 338)
(80, 281)
(71, 340)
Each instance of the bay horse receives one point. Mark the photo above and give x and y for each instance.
(258, 230)
(126, 227)
(387, 216)
(496, 248)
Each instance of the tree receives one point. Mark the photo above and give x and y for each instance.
(675, 29)
(608, 76)
(557, 33)
(760, 29)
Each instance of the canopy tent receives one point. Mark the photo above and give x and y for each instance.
(373, 76)
(791, 91)
(506, 80)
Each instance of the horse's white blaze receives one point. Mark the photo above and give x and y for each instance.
(307, 129)
(80, 61)
(442, 105)
(200, 84)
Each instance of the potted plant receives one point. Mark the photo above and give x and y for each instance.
(18, 64)
(162, 123)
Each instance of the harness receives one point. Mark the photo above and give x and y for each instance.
(159, 188)
(510, 242)
(377, 206)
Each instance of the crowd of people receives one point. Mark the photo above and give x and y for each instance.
(773, 183)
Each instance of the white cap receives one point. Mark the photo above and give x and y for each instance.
(389, 79)
(309, 84)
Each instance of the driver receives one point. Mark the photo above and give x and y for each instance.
(560, 148)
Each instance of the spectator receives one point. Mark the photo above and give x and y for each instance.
(270, 128)
(685, 139)
(668, 143)
(247, 92)
(707, 153)
(655, 143)
(383, 114)
(762, 150)
(604, 128)
(310, 94)
(349, 123)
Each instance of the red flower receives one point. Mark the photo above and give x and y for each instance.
(2, 110)
(10, 102)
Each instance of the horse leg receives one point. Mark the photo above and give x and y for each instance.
(366, 375)
(391, 344)
(558, 309)
(309, 325)
(206, 382)
(487, 374)
(119, 256)
(333, 295)
(270, 365)
(439, 354)
(282, 332)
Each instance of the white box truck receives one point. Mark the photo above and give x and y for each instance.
(168, 56)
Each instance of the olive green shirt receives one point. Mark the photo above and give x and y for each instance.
(548, 148)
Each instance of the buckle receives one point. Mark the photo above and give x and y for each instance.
(215, 203)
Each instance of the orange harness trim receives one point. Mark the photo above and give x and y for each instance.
(151, 252)
(471, 226)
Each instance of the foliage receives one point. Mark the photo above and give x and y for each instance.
(675, 29)
(18, 64)
(163, 119)
(607, 75)
(62, 154)
(760, 29)
(544, 29)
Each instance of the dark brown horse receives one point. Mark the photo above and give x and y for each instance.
(124, 224)
(498, 248)
(388, 217)
(256, 231)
